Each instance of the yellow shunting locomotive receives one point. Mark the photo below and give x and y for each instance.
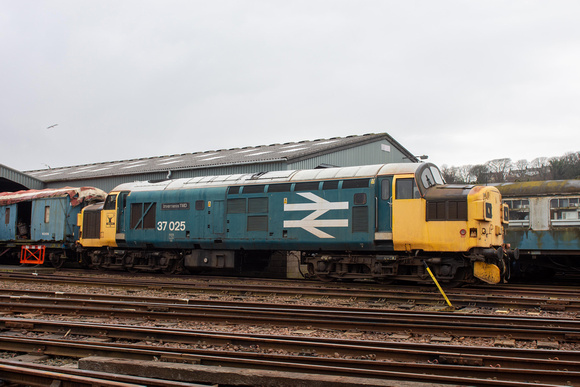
(382, 222)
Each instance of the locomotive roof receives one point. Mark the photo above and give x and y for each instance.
(539, 188)
(273, 177)
(77, 195)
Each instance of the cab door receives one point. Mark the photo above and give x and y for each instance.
(121, 206)
(384, 222)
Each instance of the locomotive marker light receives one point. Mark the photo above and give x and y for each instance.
(319, 207)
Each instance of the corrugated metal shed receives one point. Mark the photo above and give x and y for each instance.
(338, 151)
(12, 180)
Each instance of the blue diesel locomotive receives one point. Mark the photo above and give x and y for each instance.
(381, 222)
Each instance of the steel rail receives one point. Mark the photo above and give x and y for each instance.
(385, 321)
(442, 373)
(176, 305)
(415, 295)
(32, 374)
(488, 356)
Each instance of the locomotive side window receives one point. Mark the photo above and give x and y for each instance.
(7, 218)
(407, 189)
(307, 186)
(149, 217)
(110, 202)
(332, 184)
(233, 190)
(285, 187)
(254, 188)
(355, 183)
(143, 216)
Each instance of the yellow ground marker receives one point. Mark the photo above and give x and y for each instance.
(439, 286)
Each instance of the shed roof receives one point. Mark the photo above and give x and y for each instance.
(287, 152)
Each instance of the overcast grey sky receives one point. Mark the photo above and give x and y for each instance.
(461, 81)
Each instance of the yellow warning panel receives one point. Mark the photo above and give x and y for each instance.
(487, 272)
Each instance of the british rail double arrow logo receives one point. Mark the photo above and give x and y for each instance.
(319, 207)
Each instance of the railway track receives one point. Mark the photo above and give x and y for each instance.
(153, 319)
(382, 360)
(508, 296)
(373, 320)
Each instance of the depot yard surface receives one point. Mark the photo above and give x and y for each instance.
(231, 331)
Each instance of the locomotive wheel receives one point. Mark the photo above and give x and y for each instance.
(56, 260)
(325, 278)
(174, 266)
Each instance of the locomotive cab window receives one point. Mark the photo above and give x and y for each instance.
(110, 202)
(407, 189)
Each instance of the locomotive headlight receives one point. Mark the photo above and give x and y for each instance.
(462, 232)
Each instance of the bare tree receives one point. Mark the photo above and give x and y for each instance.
(449, 174)
(520, 169)
(540, 167)
(499, 169)
(480, 173)
(464, 175)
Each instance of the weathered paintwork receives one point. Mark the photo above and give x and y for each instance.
(45, 215)
(545, 238)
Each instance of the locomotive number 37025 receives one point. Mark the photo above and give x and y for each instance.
(171, 226)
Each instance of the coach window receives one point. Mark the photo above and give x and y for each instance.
(7, 218)
(46, 214)
(407, 189)
(565, 211)
(519, 212)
